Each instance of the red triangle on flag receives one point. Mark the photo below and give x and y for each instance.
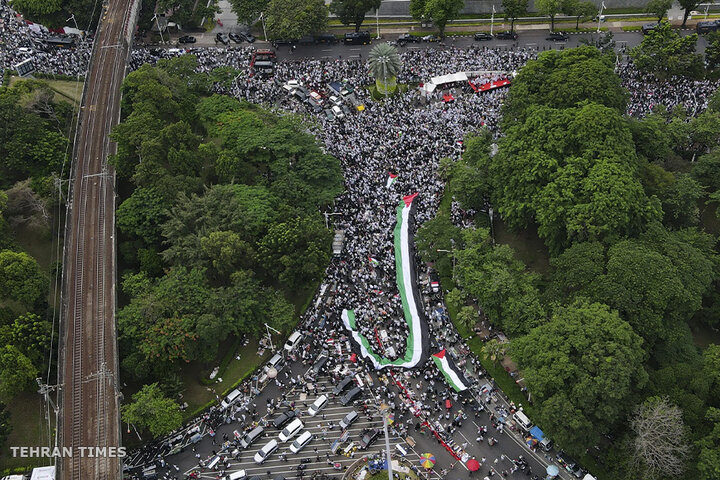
(440, 354)
(392, 175)
(409, 199)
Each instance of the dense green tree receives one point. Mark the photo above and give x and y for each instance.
(658, 8)
(585, 362)
(550, 8)
(664, 52)
(505, 291)
(16, 371)
(709, 448)
(572, 172)
(247, 211)
(352, 12)
(680, 202)
(707, 171)
(188, 12)
(438, 234)
(152, 411)
(295, 18)
(581, 10)
(513, 9)
(296, 251)
(712, 50)
(5, 424)
(31, 335)
(439, 11)
(248, 11)
(21, 278)
(711, 369)
(575, 269)
(563, 79)
(143, 213)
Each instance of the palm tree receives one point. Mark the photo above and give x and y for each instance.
(494, 350)
(384, 64)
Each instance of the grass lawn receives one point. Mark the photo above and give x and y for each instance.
(67, 90)
(29, 429)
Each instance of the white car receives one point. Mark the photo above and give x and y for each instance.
(265, 452)
(291, 430)
(301, 441)
(335, 100)
(240, 474)
(318, 405)
(337, 111)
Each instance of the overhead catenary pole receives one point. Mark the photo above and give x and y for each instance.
(267, 329)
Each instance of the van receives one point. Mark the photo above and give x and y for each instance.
(343, 385)
(265, 452)
(300, 442)
(230, 399)
(318, 405)
(707, 27)
(357, 38)
(522, 420)
(291, 430)
(251, 437)
(327, 38)
(236, 475)
(348, 420)
(293, 341)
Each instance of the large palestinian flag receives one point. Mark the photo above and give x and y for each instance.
(452, 374)
(418, 341)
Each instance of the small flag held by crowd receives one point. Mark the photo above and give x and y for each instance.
(392, 178)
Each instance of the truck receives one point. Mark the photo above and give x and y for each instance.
(542, 440)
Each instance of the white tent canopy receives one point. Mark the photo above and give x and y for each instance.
(434, 82)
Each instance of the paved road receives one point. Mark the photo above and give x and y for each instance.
(88, 404)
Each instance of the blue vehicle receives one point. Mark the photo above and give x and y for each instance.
(542, 440)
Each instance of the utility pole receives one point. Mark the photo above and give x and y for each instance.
(262, 19)
(602, 7)
(384, 410)
(377, 22)
(492, 20)
(267, 329)
(157, 22)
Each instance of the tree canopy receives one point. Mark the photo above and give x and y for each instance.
(152, 411)
(585, 362)
(352, 12)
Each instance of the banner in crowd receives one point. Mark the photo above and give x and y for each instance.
(418, 341)
(452, 374)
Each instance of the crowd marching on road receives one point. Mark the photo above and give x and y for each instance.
(405, 135)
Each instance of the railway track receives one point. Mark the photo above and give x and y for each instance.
(88, 415)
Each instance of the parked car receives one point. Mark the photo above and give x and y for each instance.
(337, 111)
(348, 420)
(247, 36)
(368, 437)
(307, 40)
(479, 36)
(506, 36)
(566, 461)
(350, 396)
(265, 452)
(434, 281)
(344, 384)
(649, 27)
(284, 418)
(318, 405)
(300, 442)
(558, 37)
(251, 436)
(316, 96)
(187, 39)
(285, 41)
(222, 38)
(326, 38)
(406, 37)
(431, 38)
(291, 430)
(357, 38)
(235, 37)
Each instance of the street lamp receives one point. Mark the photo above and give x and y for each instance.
(602, 7)
(157, 22)
(377, 22)
(492, 20)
